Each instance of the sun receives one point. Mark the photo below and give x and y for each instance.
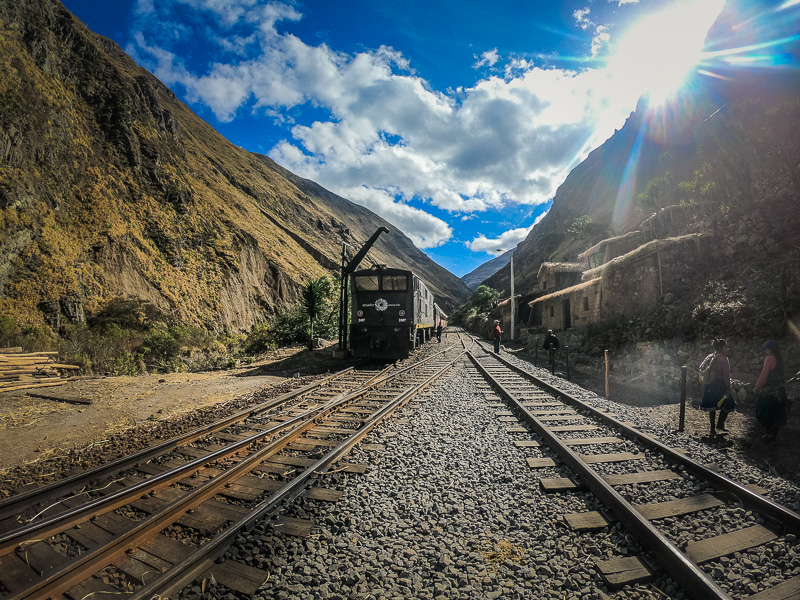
(658, 51)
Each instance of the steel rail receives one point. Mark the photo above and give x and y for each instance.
(9, 506)
(187, 570)
(63, 521)
(75, 571)
(781, 515)
(693, 579)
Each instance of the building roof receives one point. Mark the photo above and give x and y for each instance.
(641, 252)
(560, 267)
(596, 248)
(566, 291)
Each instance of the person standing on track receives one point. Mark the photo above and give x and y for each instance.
(771, 400)
(551, 345)
(498, 333)
(717, 394)
(439, 332)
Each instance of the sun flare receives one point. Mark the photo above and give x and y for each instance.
(657, 53)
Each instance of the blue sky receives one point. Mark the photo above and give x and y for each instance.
(455, 121)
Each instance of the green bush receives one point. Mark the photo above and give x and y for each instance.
(128, 363)
(162, 351)
(7, 328)
(259, 340)
(483, 297)
(129, 313)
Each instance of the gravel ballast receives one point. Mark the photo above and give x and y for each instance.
(450, 509)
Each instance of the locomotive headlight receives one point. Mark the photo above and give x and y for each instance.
(402, 313)
(360, 313)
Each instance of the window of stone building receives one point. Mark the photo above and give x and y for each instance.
(585, 303)
(552, 311)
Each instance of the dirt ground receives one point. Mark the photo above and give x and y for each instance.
(32, 429)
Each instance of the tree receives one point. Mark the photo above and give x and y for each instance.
(315, 294)
(483, 297)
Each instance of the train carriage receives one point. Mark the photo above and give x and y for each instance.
(439, 316)
(392, 313)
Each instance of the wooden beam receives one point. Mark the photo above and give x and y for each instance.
(70, 399)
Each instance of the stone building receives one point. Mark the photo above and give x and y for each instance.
(608, 249)
(635, 282)
(557, 276)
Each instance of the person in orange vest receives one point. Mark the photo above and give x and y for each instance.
(498, 333)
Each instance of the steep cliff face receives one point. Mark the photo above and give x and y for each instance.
(723, 154)
(110, 186)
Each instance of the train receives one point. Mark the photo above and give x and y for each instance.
(393, 312)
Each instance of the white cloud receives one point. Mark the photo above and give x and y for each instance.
(505, 241)
(582, 19)
(487, 59)
(600, 40)
(390, 137)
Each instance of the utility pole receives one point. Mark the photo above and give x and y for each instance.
(513, 301)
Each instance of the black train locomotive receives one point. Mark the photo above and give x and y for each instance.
(393, 312)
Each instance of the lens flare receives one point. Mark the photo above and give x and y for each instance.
(659, 51)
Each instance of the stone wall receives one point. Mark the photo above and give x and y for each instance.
(656, 365)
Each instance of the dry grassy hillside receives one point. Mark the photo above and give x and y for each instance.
(111, 187)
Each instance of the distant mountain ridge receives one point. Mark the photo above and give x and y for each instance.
(111, 187)
(477, 276)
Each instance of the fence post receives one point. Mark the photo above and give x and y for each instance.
(682, 417)
(607, 394)
(566, 360)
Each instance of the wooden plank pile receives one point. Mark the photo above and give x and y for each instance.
(20, 371)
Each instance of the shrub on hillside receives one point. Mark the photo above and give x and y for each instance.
(130, 313)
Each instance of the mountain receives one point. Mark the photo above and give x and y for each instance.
(110, 187)
(722, 159)
(475, 277)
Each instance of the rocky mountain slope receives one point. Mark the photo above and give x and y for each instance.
(474, 278)
(111, 187)
(722, 159)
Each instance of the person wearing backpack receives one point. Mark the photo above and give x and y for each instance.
(715, 371)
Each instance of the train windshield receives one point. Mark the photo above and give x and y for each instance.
(398, 283)
(366, 283)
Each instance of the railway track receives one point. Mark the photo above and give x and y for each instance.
(576, 447)
(149, 524)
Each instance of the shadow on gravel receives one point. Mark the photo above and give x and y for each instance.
(302, 362)
(780, 457)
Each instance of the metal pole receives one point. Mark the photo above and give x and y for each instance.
(682, 417)
(566, 359)
(342, 307)
(607, 394)
(513, 302)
